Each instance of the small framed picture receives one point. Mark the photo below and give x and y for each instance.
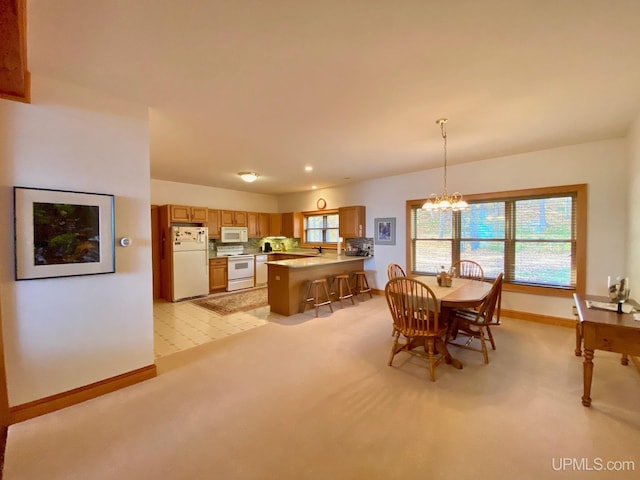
(60, 233)
(385, 231)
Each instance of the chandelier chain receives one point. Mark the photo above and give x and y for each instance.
(445, 202)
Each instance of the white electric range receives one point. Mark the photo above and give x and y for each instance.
(240, 267)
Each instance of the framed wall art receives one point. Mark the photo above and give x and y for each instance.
(61, 233)
(385, 231)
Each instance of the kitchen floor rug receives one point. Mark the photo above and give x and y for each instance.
(228, 303)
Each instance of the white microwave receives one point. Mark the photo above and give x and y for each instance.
(234, 234)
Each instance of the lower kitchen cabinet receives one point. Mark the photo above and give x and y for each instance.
(217, 274)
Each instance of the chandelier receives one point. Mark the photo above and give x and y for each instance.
(445, 202)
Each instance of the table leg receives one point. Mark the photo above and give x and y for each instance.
(587, 373)
(441, 346)
(578, 339)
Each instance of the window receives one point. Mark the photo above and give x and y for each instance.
(536, 237)
(321, 228)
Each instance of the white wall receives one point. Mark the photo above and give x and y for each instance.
(633, 245)
(602, 165)
(164, 193)
(64, 333)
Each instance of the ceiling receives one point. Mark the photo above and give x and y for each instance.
(352, 87)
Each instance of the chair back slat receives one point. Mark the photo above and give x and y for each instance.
(413, 306)
(467, 269)
(394, 270)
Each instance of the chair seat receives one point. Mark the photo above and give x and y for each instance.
(471, 316)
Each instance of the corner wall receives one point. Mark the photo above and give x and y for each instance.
(65, 333)
(633, 244)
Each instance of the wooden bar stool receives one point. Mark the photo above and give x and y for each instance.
(341, 288)
(318, 288)
(361, 283)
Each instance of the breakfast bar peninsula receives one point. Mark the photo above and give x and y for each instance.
(289, 279)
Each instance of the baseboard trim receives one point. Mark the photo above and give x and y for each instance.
(528, 316)
(29, 410)
(536, 317)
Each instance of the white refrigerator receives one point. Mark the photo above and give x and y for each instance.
(190, 262)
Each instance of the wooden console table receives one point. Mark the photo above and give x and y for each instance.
(604, 330)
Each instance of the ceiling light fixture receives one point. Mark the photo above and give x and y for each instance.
(308, 168)
(248, 176)
(445, 202)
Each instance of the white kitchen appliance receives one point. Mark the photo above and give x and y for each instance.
(234, 234)
(190, 262)
(240, 267)
(261, 270)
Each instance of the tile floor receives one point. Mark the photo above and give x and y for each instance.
(182, 325)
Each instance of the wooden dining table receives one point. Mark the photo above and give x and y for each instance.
(463, 293)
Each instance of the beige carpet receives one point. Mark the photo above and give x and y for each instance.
(313, 398)
(228, 303)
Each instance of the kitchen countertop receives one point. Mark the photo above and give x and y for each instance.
(316, 260)
(327, 257)
(301, 252)
(294, 252)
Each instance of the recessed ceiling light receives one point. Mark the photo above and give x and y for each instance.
(248, 176)
(308, 168)
(313, 187)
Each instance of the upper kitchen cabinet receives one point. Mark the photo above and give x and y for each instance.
(232, 218)
(352, 222)
(213, 223)
(187, 214)
(259, 224)
(275, 225)
(291, 225)
(264, 225)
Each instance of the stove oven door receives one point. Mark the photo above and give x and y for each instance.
(240, 272)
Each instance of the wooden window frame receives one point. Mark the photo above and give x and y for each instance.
(580, 192)
(303, 240)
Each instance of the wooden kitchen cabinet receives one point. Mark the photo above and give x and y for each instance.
(217, 274)
(275, 225)
(259, 224)
(213, 223)
(187, 214)
(352, 222)
(264, 225)
(233, 218)
(291, 225)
